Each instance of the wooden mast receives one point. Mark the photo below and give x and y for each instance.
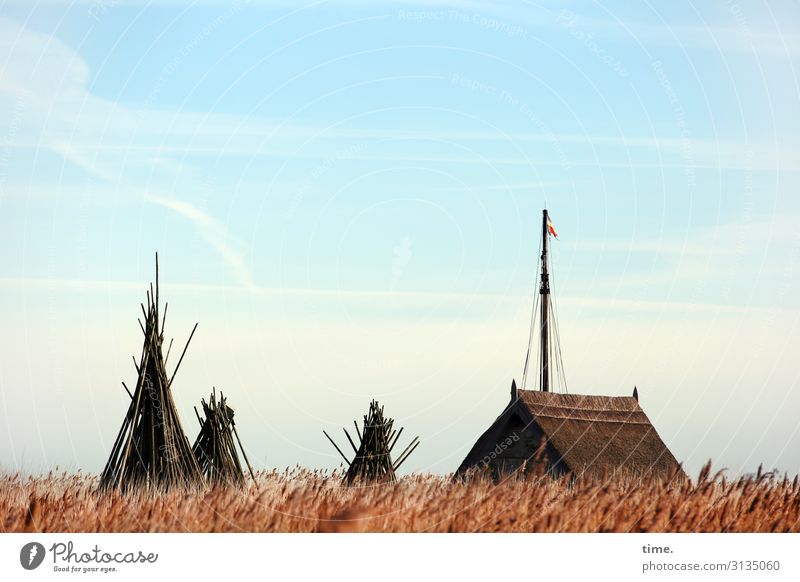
(544, 291)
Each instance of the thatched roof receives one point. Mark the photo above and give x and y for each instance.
(594, 436)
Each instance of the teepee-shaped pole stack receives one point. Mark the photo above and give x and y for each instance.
(373, 457)
(151, 449)
(215, 449)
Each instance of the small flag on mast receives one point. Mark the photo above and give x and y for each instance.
(551, 228)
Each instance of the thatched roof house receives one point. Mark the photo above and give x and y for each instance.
(557, 432)
(593, 436)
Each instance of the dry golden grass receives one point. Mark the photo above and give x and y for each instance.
(306, 501)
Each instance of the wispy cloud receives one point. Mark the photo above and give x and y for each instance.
(734, 39)
(410, 299)
(228, 135)
(71, 118)
(212, 231)
(85, 128)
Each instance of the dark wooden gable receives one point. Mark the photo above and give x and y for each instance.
(511, 444)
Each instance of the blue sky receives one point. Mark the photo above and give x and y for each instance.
(347, 196)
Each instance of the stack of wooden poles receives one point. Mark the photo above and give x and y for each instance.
(215, 449)
(373, 456)
(151, 449)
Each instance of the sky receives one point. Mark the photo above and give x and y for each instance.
(347, 195)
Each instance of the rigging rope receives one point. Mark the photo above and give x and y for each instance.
(533, 322)
(559, 362)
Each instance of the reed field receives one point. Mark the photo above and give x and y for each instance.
(300, 500)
